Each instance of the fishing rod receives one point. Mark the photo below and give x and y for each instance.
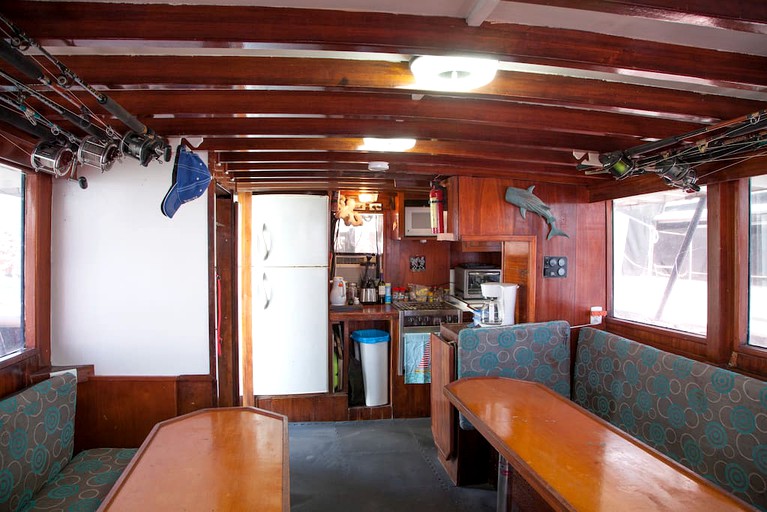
(141, 143)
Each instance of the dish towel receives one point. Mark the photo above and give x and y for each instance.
(417, 358)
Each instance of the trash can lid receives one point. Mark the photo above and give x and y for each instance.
(370, 336)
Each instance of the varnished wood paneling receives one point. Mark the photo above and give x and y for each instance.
(321, 407)
(520, 256)
(234, 71)
(590, 279)
(246, 304)
(195, 392)
(328, 30)
(15, 373)
(442, 412)
(686, 344)
(119, 412)
(226, 269)
(382, 412)
(37, 265)
(397, 254)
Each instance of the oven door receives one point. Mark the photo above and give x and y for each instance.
(406, 338)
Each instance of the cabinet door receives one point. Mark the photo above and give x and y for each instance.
(482, 207)
(443, 422)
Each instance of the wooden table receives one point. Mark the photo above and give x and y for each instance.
(575, 460)
(226, 459)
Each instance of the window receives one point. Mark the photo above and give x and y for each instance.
(11, 260)
(757, 289)
(364, 239)
(660, 262)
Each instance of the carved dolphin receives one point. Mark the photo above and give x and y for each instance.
(525, 200)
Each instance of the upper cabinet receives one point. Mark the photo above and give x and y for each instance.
(476, 207)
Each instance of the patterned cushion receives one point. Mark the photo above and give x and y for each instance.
(84, 483)
(36, 438)
(537, 352)
(709, 419)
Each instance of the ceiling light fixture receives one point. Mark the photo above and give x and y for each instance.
(441, 73)
(394, 145)
(367, 197)
(378, 166)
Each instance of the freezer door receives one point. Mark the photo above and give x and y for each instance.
(290, 230)
(290, 324)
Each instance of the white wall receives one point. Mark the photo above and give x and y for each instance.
(129, 285)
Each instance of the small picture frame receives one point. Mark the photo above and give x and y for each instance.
(417, 263)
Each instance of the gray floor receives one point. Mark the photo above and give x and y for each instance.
(366, 466)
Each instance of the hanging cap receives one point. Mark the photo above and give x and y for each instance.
(190, 180)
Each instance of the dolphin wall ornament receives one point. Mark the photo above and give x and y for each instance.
(525, 200)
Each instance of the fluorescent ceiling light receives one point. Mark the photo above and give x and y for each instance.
(367, 198)
(452, 73)
(394, 145)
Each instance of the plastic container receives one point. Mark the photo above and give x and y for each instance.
(374, 351)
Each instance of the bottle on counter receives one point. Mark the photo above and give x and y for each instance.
(381, 290)
(388, 294)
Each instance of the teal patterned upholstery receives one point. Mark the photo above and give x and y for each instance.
(37, 471)
(709, 419)
(537, 352)
(83, 483)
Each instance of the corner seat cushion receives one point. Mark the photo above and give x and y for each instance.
(709, 419)
(37, 429)
(84, 483)
(538, 352)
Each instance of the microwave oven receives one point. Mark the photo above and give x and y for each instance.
(418, 221)
(468, 279)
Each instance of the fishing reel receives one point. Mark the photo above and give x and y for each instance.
(144, 147)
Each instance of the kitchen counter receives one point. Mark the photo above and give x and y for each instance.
(365, 312)
(449, 332)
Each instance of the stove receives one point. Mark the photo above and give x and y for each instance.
(422, 317)
(418, 314)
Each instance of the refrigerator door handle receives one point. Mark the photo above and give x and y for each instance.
(267, 241)
(267, 291)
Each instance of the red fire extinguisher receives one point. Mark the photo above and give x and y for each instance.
(436, 208)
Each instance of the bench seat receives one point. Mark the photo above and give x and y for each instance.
(37, 470)
(709, 419)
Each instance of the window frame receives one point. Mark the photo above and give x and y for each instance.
(725, 342)
(37, 271)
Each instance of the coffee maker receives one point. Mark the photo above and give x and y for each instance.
(499, 307)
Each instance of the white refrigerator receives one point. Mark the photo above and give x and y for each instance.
(290, 294)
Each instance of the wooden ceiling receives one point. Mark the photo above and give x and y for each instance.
(282, 96)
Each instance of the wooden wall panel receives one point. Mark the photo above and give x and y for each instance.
(397, 255)
(226, 270)
(590, 281)
(119, 412)
(194, 392)
(319, 407)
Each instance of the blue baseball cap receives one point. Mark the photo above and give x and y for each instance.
(190, 180)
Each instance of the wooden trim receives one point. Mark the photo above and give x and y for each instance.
(678, 342)
(212, 285)
(37, 265)
(609, 256)
(246, 299)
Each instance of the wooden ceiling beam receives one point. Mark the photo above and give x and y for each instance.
(183, 72)
(479, 111)
(418, 129)
(556, 158)
(741, 16)
(216, 26)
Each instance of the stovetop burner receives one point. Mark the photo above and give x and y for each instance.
(424, 306)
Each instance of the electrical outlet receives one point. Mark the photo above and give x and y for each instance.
(596, 315)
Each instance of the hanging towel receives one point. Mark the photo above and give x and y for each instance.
(417, 358)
